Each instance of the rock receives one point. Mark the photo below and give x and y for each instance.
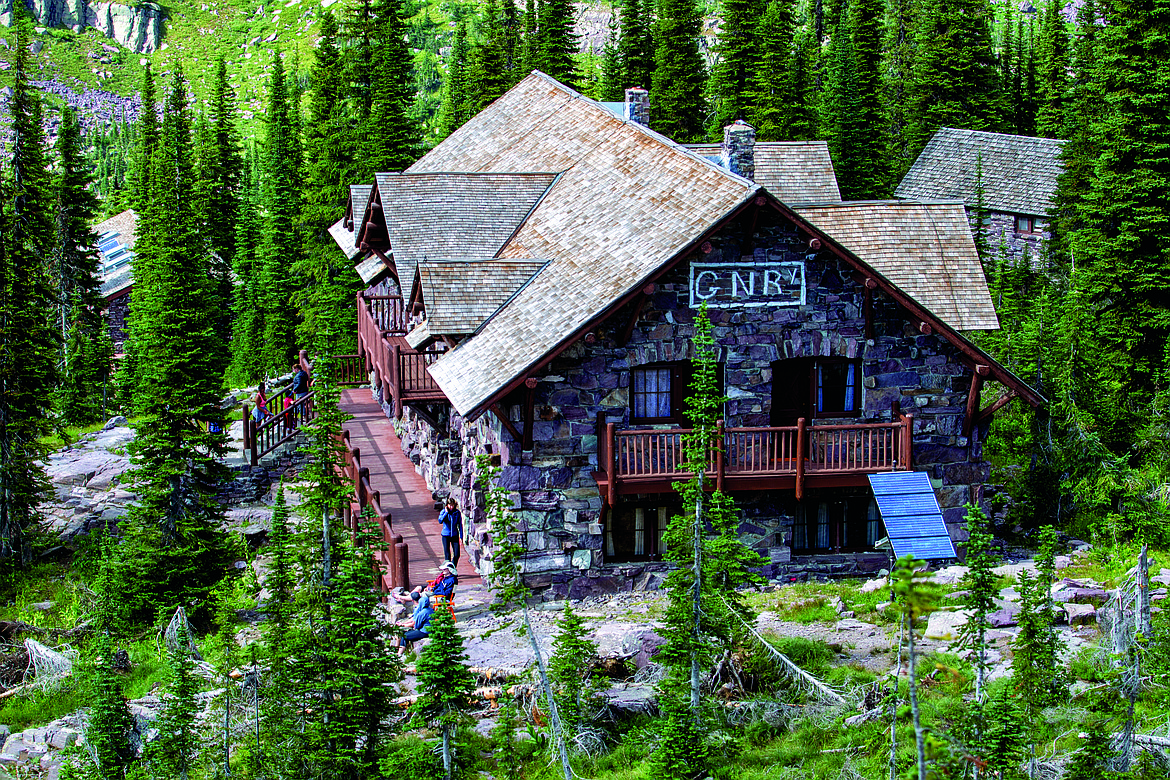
(1080, 614)
(117, 421)
(1162, 577)
(946, 625)
(43, 606)
(1014, 569)
(651, 642)
(5, 732)
(871, 585)
(1004, 618)
(14, 743)
(36, 46)
(852, 624)
(64, 738)
(950, 575)
(958, 594)
(837, 604)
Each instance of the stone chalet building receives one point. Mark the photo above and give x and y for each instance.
(533, 282)
(1019, 176)
(116, 237)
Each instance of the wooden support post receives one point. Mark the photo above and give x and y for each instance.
(362, 479)
(402, 559)
(639, 304)
(529, 412)
(801, 446)
(973, 400)
(907, 442)
(502, 416)
(719, 464)
(396, 379)
(868, 307)
(1001, 402)
(611, 462)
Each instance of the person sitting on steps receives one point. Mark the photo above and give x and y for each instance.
(416, 624)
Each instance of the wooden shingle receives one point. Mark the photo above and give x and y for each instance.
(439, 214)
(792, 171)
(460, 294)
(924, 248)
(1019, 172)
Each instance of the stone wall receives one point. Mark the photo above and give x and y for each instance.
(553, 486)
(117, 319)
(1001, 234)
(138, 27)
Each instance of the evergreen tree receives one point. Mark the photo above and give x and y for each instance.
(774, 95)
(917, 596)
(359, 27)
(489, 75)
(1126, 218)
(981, 586)
(569, 669)
(280, 243)
(635, 45)
(531, 39)
(805, 80)
(1036, 646)
(173, 539)
(898, 61)
(871, 179)
(558, 41)
(173, 753)
(217, 193)
(110, 722)
(456, 90)
(28, 342)
(739, 53)
(248, 358)
(613, 78)
(76, 208)
(88, 357)
(390, 135)
(139, 182)
(444, 682)
(953, 82)
(326, 300)
(1053, 71)
(841, 116)
(680, 74)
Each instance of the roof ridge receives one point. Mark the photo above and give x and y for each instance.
(1004, 135)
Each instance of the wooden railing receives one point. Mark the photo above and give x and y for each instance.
(389, 312)
(394, 555)
(647, 455)
(349, 370)
(282, 423)
(400, 372)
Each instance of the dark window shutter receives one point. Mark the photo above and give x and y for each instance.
(791, 390)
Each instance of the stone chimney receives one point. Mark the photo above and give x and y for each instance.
(638, 106)
(739, 149)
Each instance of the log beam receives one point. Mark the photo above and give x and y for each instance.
(498, 411)
(1001, 402)
(973, 400)
(639, 304)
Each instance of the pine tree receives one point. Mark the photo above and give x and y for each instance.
(456, 90)
(247, 349)
(110, 722)
(917, 596)
(173, 753)
(774, 89)
(613, 78)
(531, 39)
(569, 670)
(88, 357)
(280, 241)
(953, 78)
(218, 193)
(488, 74)
(636, 45)
(898, 62)
(739, 56)
(444, 682)
(1122, 244)
(326, 300)
(76, 207)
(390, 135)
(1053, 71)
(1036, 646)
(865, 25)
(172, 534)
(28, 341)
(558, 41)
(680, 74)
(841, 115)
(138, 177)
(980, 584)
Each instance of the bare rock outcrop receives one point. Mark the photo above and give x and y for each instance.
(138, 27)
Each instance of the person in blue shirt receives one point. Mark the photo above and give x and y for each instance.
(451, 529)
(416, 625)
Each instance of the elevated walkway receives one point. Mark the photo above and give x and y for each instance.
(403, 494)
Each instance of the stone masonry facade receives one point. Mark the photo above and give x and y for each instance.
(553, 489)
(1020, 247)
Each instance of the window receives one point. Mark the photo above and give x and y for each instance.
(658, 392)
(1025, 224)
(850, 524)
(815, 387)
(635, 533)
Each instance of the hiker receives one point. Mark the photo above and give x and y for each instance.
(300, 381)
(451, 529)
(259, 404)
(416, 624)
(443, 586)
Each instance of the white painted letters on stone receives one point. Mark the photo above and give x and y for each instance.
(731, 285)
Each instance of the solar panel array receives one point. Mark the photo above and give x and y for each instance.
(910, 511)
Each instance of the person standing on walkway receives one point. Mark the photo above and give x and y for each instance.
(300, 381)
(451, 529)
(259, 404)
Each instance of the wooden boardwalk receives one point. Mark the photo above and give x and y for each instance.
(404, 494)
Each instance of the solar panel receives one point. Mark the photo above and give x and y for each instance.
(910, 511)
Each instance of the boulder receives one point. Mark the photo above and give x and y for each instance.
(117, 421)
(850, 624)
(1080, 614)
(1004, 618)
(951, 575)
(872, 585)
(946, 625)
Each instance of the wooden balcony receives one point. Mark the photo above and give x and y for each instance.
(398, 369)
(788, 458)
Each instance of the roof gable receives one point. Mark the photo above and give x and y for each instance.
(443, 214)
(1019, 172)
(793, 171)
(945, 276)
(116, 238)
(459, 295)
(627, 201)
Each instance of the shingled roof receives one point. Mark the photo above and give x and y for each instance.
(1019, 172)
(440, 214)
(359, 198)
(925, 248)
(459, 294)
(344, 237)
(793, 171)
(116, 238)
(627, 201)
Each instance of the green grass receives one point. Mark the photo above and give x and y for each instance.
(68, 435)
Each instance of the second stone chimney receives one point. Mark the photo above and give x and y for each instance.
(739, 149)
(638, 106)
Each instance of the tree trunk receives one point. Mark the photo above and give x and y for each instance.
(696, 699)
(447, 768)
(919, 738)
(553, 715)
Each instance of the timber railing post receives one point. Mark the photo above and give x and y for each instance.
(396, 379)
(719, 455)
(402, 559)
(907, 442)
(611, 461)
(801, 447)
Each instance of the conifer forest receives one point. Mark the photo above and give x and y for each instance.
(165, 615)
